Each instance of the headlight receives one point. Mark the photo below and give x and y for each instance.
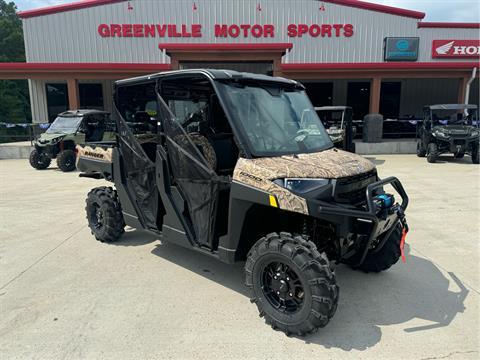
(301, 185)
(439, 133)
(475, 133)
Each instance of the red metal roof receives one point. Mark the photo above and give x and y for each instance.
(451, 25)
(118, 67)
(64, 7)
(380, 8)
(351, 3)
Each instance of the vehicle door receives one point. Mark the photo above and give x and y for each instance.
(193, 175)
(139, 175)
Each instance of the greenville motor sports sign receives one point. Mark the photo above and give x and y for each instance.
(223, 30)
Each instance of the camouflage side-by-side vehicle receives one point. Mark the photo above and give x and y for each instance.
(239, 167)
(69, 129)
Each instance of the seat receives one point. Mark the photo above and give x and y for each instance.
(202, 144)
(147, 125)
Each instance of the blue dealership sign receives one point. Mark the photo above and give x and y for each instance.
(400, 48)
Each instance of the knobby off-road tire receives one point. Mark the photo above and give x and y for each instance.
(66, 160)
(432, 153)
(39, 161)
(104, 214)
(475, 158)
(421, 152)
(387, 256)
(311, 291)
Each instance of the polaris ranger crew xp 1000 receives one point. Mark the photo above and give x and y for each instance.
(240, 167)
(69, 129)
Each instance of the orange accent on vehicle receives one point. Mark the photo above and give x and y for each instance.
(402, 245)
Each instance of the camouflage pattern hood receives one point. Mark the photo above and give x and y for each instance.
(328, 164)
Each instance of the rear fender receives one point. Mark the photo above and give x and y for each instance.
(94, 161)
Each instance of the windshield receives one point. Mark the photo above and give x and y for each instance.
(65, 125)
(454, 117)
(275, 120)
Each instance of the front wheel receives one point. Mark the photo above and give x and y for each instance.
(475, 155)
(38, 160)
(432, 153)
(387, 256)
(66, 160)
(104, 214)
(421, 152)
(291, 283)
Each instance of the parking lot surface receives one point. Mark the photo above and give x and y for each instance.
(64, 295)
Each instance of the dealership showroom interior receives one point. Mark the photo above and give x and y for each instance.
(239, 179)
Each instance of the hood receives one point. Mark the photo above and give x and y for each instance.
(328, 164)
(455, 129)
(48, 138)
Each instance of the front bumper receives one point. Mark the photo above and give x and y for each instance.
(457, 145)
(49, 150)
(381, 223)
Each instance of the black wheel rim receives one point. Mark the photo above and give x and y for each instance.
(282, 287)
(69, 162)
(96, 216)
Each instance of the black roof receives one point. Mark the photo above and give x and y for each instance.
(82, 112)
(452, 106)
(214, 74)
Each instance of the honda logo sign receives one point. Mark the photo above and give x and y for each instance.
(455, 48)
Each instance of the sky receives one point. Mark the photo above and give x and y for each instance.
(436, 10)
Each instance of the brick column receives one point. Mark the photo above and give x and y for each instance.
(375, 86)
(73, 94)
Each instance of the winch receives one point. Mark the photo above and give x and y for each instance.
(383, 202)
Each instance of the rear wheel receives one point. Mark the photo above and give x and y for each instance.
(421, 152)
(475, 155)
(38, 160)
(387, 256)
(432, 153)
(66, 160)
(291, 283)
(104, 214)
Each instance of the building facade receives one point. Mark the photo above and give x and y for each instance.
(375, 58)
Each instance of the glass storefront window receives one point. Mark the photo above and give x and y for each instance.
(57, 99)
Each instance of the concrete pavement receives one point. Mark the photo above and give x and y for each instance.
(64, 295)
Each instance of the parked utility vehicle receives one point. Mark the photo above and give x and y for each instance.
(70, 128)
(337, 120)
(242, 169)
(449, 128)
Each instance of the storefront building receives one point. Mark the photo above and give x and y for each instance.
(375, 58)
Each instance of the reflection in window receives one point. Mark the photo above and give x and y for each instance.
(57, 100)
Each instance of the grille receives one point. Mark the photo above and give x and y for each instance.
(459, 142)
(352, 189)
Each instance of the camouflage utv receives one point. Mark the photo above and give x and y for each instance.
(240, 168)
(68, 129)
